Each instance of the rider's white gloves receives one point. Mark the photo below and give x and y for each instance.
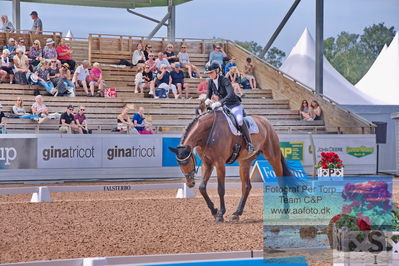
(216, 105)
(208, 101)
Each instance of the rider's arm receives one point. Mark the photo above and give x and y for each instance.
(229, 89)
(209, 95)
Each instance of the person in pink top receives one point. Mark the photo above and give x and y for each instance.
(96, 79)
(151, 64)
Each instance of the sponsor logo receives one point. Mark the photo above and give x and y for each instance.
(330, 149)
(68, 153)
(117, 188)
(133, 152)
(359, 151)
(7, 154)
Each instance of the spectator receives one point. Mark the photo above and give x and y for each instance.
(81, 76)
(96, 79)
(170, 55)
(35, 54)
(217, 55)
(3, 75)
(141, 124)
(65, 55)
(81, 121)
(233, 75)
(151, 64)
(161, 61)
(231, 63)
(201, 108)
(164, 84)
(138, 80)
(67, 122)
(6, 65)
(3, 125)
(138, 57)
(124, 122)
(65, 75)
(19, 110)
(11, 47)
(249, 73)
(40, 109)
(21, 45)
(21, 61)
(54, 72)
(202, 88)
(184, 60)
(43, 75)
(7, 25)
(149, 82)
(147, 51)
(315, 110)
(177, 76)
(37, 26)
(304, 110)
(49, 51)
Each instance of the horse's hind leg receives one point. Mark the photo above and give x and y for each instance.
(206, 174)
(245, 187)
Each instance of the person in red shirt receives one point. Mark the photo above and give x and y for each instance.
(202, 87)
(65, 55)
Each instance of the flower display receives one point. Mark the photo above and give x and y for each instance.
(329, 160)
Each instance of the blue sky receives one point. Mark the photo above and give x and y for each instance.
(237, 20)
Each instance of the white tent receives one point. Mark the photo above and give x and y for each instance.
(382, 79)
(69, 35)
(300, 64)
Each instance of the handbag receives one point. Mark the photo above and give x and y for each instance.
(110, 93)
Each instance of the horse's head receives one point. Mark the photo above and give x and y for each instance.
(186, 160)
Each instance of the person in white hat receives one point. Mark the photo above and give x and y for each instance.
(5, 65)
(49, 51)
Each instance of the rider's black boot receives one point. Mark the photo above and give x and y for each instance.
(247, 137)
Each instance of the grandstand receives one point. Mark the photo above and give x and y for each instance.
(278, 98)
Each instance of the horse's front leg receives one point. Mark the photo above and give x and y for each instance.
(221, 173)
(206, 174)
(245, 187)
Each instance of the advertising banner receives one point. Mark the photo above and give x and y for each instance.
(18, 153)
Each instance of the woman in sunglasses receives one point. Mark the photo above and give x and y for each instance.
(35, 53)
(184, 60)
(81, 121)
(147, 51)
(217, 55)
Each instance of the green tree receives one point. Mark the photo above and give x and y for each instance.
(274, 56)
(374, 38)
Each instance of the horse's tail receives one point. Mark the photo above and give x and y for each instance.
(290, 180)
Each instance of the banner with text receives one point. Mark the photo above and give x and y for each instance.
(18, 153)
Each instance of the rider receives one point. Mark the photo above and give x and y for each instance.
(221, 91)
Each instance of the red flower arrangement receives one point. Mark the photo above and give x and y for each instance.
(329, 160)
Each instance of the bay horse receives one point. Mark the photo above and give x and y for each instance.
(210, 135)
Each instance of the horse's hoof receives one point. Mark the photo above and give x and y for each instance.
(214, 213)
(234, 218)
(219, 219)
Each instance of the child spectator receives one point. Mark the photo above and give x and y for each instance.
(233, 75)
(3, 125)
(161, 61)
(170, 55)
(141, 124)
(6, 65)
(67, 122)
(201, 108)
(231, 63)
(81, 76)
(202, 88)
(178, 80)
(37, 26)
(7, 25)
(49, 51)
(81, 121)
(249, 73)
(184, 60)
(151, 64)
(138, 80)
(124, 122)
(315, 110)
(54, 72)
(40, 109)
(19, 110)
(65, 55)
(147, 51)
(43, 75)
(148, 80)
(164, 82)
(35, 54)
(11, 47)
(138, 57)
(96, 79)
(217, 55)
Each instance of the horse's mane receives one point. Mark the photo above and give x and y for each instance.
(189, 127)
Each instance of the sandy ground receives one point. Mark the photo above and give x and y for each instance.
(91, 224)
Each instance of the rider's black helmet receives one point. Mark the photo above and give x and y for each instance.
(213, 66)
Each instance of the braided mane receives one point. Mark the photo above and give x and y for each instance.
(189, 127)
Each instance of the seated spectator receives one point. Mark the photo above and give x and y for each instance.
(184, 60)
(161, 61)
(231, 63)
(11, 47)
(315, 110)
(65, 55)
(202, 88)
(81, 76)
(233, 75)
(149, 82)
(66, 78)
(177, 76)
(67, 122)
(96, 79)
(151, 64)
(40, 109)
(304, 110)
(3, 125)
(201, 108)
(164, 84)
(21, 63)
(217, 55)
(138, 80)
(54, 72)
(19, 110)
(49, 51)
(249, 73)
(7, 66)
(124, 122)
(35, 54)
(141, 124)
(138, 57)
(7, 25)
(170, 55)
(43, 80)
(81, 121)
(21, 45)
(147, 51)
